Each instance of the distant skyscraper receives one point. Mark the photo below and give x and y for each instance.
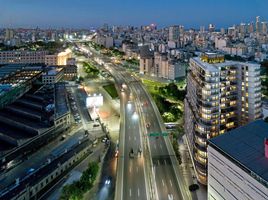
(242, 28)
(202, 29)
(9, 34)
(211, 27)
(258, 24)
(222, 31)
(264, 27)
(174, 33)
(105, 27)
(251, 27)
(221, 95)
(181, 29)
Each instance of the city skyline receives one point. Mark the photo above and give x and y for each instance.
(81, 14)
(129, 100)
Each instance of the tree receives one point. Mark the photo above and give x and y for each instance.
(76, 190)
(266, 119)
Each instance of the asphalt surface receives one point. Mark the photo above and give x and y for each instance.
(133, 182)
(166, 182)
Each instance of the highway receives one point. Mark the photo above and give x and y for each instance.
(132, 182)
(156, 175)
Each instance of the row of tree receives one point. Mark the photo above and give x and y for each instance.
(90, 69)
(76, 190)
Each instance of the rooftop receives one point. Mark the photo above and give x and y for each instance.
(245, 146)
(215, 67)
(61, 104)
(7, 70)
(52, 71)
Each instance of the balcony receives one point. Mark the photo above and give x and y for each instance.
(200, 147)
(199, 134)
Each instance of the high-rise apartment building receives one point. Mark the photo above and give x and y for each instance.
(264, 27)
(258, 24)
(221, 95)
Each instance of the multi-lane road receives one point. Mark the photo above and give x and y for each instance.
(131, 182)
(154, 173)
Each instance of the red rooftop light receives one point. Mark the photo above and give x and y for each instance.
(266, 147)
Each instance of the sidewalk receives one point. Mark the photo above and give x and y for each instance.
(188, 172)
(76, 173)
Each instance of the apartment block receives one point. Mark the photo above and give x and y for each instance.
(22, 57)
(221, 95)
(34, 57)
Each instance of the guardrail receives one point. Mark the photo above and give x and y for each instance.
(184, 190)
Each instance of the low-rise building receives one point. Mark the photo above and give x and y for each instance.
(238, 164)
(52, 75)
(58, 58)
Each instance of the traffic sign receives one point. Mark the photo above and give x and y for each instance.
(158, 134)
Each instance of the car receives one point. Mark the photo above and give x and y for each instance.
(145, 103)
(124, 86)
(148, 125)
(31, 170)
(108, 181)
(96, 125)
(193, 187)
(104, 140)
(131, 153)
(77, 118)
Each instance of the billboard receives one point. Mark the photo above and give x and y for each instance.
(94, 100)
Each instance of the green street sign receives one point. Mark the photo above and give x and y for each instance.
(158, 134)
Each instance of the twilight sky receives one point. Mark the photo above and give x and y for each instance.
(87, 13)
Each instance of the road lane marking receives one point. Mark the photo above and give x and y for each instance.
(163, 182)
(129, 137)
(138, 192)
(130, 192)
(135, 138)
(158, 162)
(130, 169)
(137, 169)
(170, 182)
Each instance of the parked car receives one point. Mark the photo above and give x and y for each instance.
(193, 187)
